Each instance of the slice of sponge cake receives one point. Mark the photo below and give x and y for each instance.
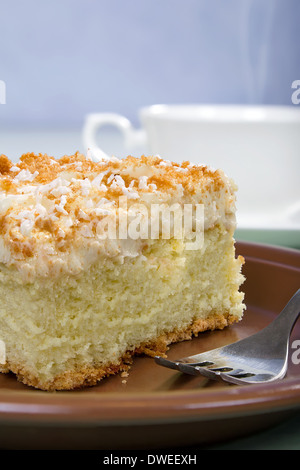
(103, 260)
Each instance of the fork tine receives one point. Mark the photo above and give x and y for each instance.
(166, 362)
(191, 369)
(200, 358)
(186, 368)
(256, 378)
(197, 370)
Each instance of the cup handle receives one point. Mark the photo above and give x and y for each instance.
(133, 138)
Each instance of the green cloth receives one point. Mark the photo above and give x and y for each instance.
(285, 238)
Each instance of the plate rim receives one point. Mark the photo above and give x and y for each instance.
(142, 408)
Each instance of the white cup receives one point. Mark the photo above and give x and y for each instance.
(257, 146)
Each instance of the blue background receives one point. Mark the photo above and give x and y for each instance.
(63, 59)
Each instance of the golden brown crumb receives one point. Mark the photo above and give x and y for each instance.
(5, 164)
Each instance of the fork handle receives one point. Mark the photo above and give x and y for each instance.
(289, 315)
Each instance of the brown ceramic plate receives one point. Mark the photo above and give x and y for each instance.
(158, 407)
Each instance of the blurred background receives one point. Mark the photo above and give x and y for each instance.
(63, 59)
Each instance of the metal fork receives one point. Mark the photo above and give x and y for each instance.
(260, 358)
